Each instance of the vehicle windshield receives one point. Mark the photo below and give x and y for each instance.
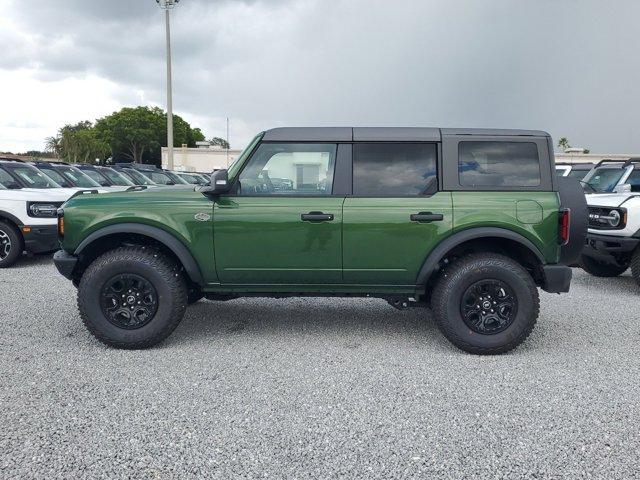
(55, 176)
(579, 174)
(159, 177)
(190, 178)
(116, 178)
(177, 179)
(604, 179)
(137, 177)
(77, 176)
(2, 187)
(33, 177)
(96, 177)
(8, 181)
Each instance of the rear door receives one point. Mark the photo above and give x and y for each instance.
(283, 225)
(395, 215)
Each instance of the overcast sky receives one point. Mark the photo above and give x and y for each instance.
(570, 67)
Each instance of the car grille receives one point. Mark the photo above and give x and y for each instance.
(595, 220)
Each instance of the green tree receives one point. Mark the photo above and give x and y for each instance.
(53, 145)
(563, 143)
(131, 131)
(221, 142)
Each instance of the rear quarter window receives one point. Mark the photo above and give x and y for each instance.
(498, 164)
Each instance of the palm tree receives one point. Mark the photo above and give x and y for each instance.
(563, 143)
(53, 145)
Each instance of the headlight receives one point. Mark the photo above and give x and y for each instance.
(614, 218)
(42, 210)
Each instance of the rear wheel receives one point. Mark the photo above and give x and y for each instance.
(132, 297)
(11, 245)
(485, 303)
(601, 269)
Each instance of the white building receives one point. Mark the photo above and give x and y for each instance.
(576, 156)
(205, 158)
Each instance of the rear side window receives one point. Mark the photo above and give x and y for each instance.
(393, 169)
(498, 164)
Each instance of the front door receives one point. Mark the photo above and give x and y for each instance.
(395, 216)
(282, 225)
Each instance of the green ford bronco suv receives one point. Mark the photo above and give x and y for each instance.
(469, 222)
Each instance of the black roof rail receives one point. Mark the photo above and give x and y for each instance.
(83, 192)
(631, 161)
(7, 159)
(135, 188)
(611, 160)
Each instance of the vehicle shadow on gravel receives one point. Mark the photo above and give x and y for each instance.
(624, 284)
(343, 319)
(29, 261)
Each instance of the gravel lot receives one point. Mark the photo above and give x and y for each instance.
(317, 388)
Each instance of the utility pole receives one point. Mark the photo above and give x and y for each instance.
(167, 5)
(228, 142)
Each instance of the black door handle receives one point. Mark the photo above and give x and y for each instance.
(426, 217)
(316, 217)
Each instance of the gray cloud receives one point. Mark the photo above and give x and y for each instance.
(568, 67)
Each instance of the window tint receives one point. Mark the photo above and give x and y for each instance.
(289, 169)
(7, 180)
(51, 173)
(116, 178)
(634, 180)
(78, 178)
(96, 177)
(498, 164)
(33, 177)
(387, 169)
(604, 179)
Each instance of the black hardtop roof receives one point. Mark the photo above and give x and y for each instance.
(385, 134)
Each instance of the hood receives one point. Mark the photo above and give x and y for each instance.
(608, 199)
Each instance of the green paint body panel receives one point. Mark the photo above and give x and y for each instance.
(500, 209)
(382, 244)
(260, 244)
(263, 240)
(172, 209)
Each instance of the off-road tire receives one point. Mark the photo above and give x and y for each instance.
(457, 277)
(635, 265)
(154, 267)
(194, 294)
(17, 244)
(601, 269)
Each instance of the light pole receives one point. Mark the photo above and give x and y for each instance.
(167, 5)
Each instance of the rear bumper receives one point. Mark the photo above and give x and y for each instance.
(65, 263)
(557, 278)
(40, 238)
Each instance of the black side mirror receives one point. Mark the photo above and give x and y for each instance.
(219, 183)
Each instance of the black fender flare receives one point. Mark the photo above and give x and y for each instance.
(11, 217)
(438, 253)
(167, 239)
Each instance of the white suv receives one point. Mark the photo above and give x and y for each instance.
(613, 239)
(28, 221)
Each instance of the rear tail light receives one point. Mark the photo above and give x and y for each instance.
(564, 226)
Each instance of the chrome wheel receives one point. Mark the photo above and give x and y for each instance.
(5, 245)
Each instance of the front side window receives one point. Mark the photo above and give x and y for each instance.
(289, 169)
(55, 176)
(116, 178)
(7, 180)
(393, 169)
(34, 178)
(78, 178)
(138, 178)
(96, 177)
(498, 164)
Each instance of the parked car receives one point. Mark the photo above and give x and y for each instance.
(136, 177)
(576, 170)
(192, 178)
(613, 240)
(27, 219)
(155, 174)
(610, 176)
(467, 221)
(66, 175)
(105, 176)
(16, 174)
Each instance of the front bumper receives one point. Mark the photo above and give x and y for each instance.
(557, 278)
(65, 263)
(599, 246)
(40, 238)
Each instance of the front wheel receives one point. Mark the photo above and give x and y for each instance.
(602, 269)
(11, 245)
(485, 303)
(131, 297)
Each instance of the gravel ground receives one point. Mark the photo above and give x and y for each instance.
(317, 388)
